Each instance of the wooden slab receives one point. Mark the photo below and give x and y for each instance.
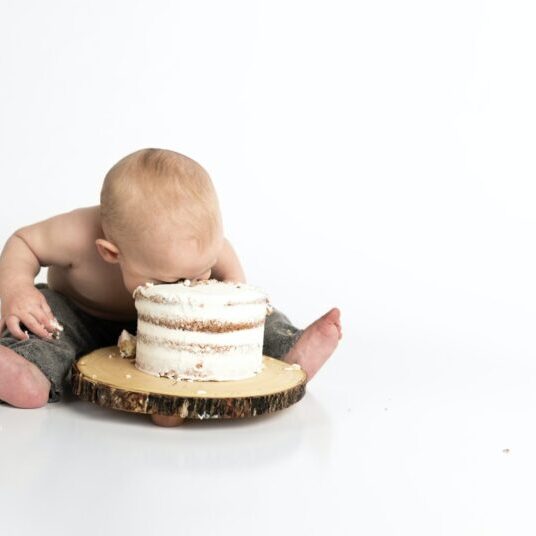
(105, 378)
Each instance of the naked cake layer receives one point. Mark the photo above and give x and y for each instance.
(207, 330)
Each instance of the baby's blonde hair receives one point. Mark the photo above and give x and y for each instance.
(150, 188)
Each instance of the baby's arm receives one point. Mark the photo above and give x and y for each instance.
(228, 267)
(54, 241)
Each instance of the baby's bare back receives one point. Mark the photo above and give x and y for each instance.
(95, 285)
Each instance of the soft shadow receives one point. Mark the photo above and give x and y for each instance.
(219, 445)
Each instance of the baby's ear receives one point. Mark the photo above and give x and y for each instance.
(107, 250)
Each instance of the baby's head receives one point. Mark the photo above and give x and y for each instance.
(160, 217)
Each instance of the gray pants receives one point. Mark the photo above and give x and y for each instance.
(84, 333)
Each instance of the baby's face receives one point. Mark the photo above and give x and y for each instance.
(168, 264)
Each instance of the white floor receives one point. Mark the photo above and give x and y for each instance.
(421, 423)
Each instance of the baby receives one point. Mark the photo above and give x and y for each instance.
(158, 221)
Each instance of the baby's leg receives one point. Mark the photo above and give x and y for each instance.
(279, 335)
(310, 347)
(36, 370)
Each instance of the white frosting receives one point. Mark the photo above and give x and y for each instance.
(237, 364)
(175, 352)
(247, 312)
(57, 328)
(211, 292)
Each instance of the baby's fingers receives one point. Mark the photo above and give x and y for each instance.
(12, 323)
(48, 311)
(43, 319)
(35, 326)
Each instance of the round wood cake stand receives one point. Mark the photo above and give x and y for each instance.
(105, 378)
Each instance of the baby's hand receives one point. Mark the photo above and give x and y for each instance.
(27, 305)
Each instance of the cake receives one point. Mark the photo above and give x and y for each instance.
(57, 329)
(204, 330)
(127, 344)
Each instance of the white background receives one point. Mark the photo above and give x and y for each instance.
(377, 156)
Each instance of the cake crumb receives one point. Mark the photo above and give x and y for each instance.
(82, 363)
(128, 376)
(94, 376)
(127, 344)
(170, 376)
(201, 392)
(58, 328)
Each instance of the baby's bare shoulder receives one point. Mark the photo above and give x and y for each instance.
(62, 239)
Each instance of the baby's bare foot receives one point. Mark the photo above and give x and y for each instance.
(316, 343)
(22, 384)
